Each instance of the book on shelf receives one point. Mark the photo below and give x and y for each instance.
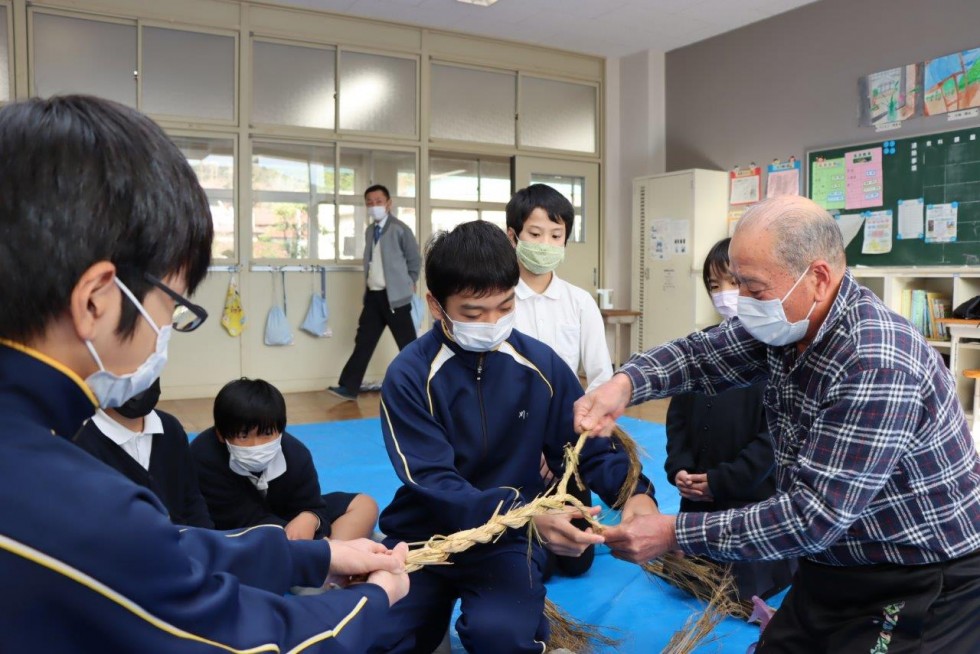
(924, 309)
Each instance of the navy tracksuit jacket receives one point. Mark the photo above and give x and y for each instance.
(465, 432)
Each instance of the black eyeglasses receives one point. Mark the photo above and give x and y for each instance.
(187, 315)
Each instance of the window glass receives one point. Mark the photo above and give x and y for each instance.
(473, 105)
(4, 57)
(188, 74)
(213, 160)
(76, 55)
(558, 115)
(293, 196)
(378, 93)
(304, 97)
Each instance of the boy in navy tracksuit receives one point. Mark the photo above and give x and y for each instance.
(104, 230)
(466, 411)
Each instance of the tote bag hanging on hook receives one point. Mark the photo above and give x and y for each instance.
(277, 330)
(316, 316)
(233, 316)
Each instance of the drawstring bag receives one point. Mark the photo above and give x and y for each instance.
(316, 316)
(418, 310)
(277, 330)
(233, 316)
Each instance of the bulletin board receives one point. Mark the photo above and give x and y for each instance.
(941, 169)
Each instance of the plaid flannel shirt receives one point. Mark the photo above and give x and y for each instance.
(874, 459)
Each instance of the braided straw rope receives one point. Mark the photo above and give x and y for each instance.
(438, 549)
(566, 631)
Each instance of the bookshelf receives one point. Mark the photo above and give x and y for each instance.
(959, 284)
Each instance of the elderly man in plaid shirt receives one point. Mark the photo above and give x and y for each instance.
(878, 477)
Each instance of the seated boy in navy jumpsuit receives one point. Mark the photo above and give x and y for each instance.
(254, 473)
(466, 411)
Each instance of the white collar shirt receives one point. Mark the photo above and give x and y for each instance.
(566, 318)
(137, 444)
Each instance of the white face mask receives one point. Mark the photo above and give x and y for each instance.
(377, 212)
(112, 390)
(481, 336)
(257, 457)
(726, 302)
(766, 320)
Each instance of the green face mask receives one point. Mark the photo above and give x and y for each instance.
(539, 258)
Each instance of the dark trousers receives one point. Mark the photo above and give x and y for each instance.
(501, 601)
(375, 316)
(879, 609)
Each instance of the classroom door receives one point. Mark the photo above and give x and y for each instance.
(579, 182)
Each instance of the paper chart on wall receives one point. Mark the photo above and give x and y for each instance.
(734, 213)
(910, 218)
(660, 235)
(829, 183)
(877, 232)
(865, 184)
(849, 225)
(941, 222)
(746, 184)
(783, 179)
(680, 236)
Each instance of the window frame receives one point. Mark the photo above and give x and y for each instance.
(234, 193)
(357, 199)
(479, 205)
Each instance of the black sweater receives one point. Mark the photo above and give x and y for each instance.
(725, 436)
(171, 475)
(235, 502)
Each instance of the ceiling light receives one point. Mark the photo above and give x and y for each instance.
(479, 3)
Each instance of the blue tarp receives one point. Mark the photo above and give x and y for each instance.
(640, 610)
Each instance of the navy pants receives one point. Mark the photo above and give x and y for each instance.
(501, 599)
(879, 609)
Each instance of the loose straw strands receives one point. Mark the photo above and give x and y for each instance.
(697, 631)
(572, 634)
(700, 578)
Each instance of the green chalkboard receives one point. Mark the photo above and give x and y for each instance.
(939, 168)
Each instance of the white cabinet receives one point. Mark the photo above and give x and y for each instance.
(960, 284)
(677, 217)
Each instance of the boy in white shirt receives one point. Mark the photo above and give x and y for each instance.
(565, 317)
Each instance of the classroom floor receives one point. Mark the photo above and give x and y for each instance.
(321, 406)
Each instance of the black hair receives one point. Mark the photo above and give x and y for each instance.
(540, 196)
(377, 187)
(716, 262)
(475, 257)
(246, 404)
(84, 180)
